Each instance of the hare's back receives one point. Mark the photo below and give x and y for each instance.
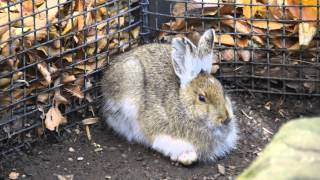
(132, 79)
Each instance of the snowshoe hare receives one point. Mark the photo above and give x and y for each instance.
(164, 97)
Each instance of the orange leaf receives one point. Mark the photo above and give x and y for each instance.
(224, 39)
(249, 9)
(268, 25)
(308, 13)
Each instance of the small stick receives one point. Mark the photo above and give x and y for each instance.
(88, 132)
(249, 117)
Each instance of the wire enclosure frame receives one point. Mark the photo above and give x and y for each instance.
(52, 54)
(265, 46)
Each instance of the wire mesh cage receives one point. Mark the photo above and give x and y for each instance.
(266, 46)
(51, 56)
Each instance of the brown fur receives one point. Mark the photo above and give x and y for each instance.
(146, 76)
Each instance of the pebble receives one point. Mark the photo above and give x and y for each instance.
(221, 169)
(139, 158)
(232, 167)
(71, 149)
(98, 149)
(80, 158)
(112, 148)
(124, 155)
(70, 159)
(107, 177)
(77, 131)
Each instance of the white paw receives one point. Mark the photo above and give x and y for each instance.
(187, 158)
(177, 149)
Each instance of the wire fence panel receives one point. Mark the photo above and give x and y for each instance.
(51, 55)
(266, 46)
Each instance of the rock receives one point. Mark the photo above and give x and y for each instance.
(107, 177)
(112, 148)
(293, 153)
(221, 169)
(98, 149)
(80, 158)
(124, 155)
(71, 149)
(64, 177)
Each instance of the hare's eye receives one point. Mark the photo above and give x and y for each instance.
(202, 98)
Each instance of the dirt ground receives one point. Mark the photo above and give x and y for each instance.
(111, 157)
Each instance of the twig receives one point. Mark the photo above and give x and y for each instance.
(249, 117)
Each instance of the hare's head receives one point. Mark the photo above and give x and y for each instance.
(199, 90)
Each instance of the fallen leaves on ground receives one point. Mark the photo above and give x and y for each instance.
(50, 50)
(268, 32)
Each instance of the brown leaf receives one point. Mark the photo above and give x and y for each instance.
(71, 24)
(268, 25)
(174, 26)
(244, 55)
(75, 91)
(42, 67)
(243, 27)
(228, 54)
(43, 97)
(242, 42)
(6, 81)
(54, 118)
(66, 78)
(224, 39)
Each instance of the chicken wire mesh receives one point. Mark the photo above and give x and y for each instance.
(52, 52)
(51, 55)
(265, 46)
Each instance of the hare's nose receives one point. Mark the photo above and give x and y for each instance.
(226, 121)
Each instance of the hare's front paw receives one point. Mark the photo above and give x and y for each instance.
(177, 149)
(187, 158)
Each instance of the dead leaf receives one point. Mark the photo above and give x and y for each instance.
(6, 81)
(244, 55)
(89, 121)
(13, 175)
(229, 54)
(75, 91)
(45, 72)
(249, 8)
(224, 39)
(66, 78)
(54, 118)
(306, 33)
(268, 25)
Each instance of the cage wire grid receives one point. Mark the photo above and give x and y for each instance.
(255, 53)
(74, 52)
(52, 55)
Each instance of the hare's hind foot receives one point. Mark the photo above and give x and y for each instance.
(177, 149)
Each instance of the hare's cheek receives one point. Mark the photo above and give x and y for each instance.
(201, 111)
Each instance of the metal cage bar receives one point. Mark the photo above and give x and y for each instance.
(274, 60)
(56, 49)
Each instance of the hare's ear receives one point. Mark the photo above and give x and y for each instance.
(205, 49)
(183, 54)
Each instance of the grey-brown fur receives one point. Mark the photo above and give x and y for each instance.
(146, 76)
